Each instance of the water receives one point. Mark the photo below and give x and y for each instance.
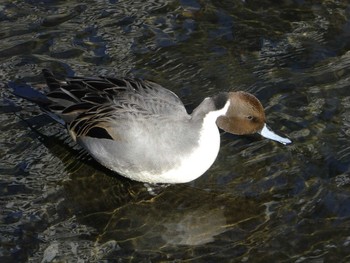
(260, 201)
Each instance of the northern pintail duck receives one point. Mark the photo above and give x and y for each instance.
(142, 131)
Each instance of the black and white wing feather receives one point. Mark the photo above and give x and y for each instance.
(92, 106)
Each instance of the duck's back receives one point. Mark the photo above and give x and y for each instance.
(78, 95)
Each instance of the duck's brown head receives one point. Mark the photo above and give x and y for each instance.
(246, 115)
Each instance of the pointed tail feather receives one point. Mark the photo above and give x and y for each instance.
(25, 91)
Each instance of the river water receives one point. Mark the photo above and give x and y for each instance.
(260, 201)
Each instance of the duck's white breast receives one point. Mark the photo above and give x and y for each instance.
(200, 159)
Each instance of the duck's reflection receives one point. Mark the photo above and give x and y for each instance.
(179, 215)
(195, 227)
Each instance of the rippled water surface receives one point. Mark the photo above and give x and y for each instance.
(260, 201)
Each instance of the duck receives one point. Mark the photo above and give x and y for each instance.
(142, 131)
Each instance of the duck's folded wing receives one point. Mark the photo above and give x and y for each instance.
(143, 94)
(117, 122)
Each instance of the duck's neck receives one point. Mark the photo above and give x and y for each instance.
(211, 107)
(208, 143)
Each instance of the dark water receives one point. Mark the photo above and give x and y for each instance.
(260, 202)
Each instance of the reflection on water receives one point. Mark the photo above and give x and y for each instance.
(184, 223)
(260, 201)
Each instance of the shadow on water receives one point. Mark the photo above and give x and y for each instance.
(259, 202)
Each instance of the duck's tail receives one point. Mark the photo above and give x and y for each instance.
(27, 92)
